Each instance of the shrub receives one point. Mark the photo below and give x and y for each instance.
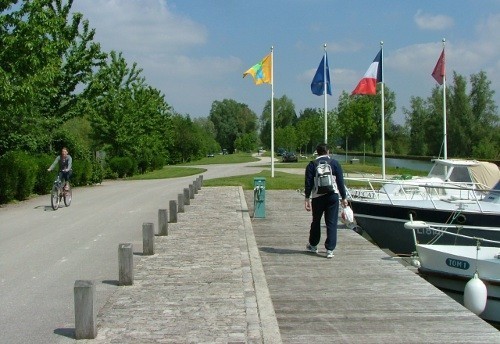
(97, 172)
(18, 172)
(82, 173)
(44, 179)
(158, 162)
(122, 166)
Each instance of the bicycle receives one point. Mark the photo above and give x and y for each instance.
(59, 192)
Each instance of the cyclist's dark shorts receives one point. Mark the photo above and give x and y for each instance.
(65, 176)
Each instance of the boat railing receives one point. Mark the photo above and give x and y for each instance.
(393, 190)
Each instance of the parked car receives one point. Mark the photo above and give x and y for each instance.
(290, 157)
(280, 151)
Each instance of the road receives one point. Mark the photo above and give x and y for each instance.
(43, 252)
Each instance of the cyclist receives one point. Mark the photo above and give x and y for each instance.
(65, 166)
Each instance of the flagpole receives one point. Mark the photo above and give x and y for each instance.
(325, 93)
(382, 108)
(272, 112)
(445, 144)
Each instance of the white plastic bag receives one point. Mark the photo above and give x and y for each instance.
(347, 215)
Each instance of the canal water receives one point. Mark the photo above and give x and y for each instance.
(417, 165)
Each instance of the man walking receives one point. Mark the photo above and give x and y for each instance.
(323, 193)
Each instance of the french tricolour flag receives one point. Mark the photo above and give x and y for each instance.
(368, 84)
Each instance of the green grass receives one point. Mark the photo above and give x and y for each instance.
(169, 172)
(224, 159)
(281, 181)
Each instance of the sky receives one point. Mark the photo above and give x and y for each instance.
(196, 51)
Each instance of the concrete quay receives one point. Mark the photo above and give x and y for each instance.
(222, 277)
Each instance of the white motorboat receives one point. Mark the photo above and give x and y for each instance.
(458, 198)
(447, 179)
(451, 267)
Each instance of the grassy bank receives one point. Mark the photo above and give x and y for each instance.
(280, 181)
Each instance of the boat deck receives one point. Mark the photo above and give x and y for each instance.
(362, 295)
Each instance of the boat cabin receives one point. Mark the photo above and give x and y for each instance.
(479, 174)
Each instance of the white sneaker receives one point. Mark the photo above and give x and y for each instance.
(329, 254)
(311, 248)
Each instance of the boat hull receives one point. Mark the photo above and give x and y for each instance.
(384, 223)
(449, 268)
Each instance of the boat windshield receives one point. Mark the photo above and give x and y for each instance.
(438, 171)
(460, 174)
(457, 174)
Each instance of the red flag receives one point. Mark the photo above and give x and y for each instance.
(439, 71)
(368, 84)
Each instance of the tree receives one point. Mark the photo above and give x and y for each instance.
(389, 109)
(284, 115)
(434, 123)
(397, 139)
(286, 138)
(485, 128)
(360, 115)
(356, 119)
(47, 56)
(472, 121)
(460, 121)
(128, 117)
(309, 129)
(416, 121)
(246, 142)
(191, 140)
(231, 120)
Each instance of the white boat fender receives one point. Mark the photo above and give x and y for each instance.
(416, 225)
(415, 262)
(475, 295)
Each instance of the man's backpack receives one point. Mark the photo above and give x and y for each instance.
(324, 180)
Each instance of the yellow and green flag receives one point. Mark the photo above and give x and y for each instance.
(261, 72)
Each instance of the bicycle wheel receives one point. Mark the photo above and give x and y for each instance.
(54, 198)
(68, 194)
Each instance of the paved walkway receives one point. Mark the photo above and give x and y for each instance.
(204, 284)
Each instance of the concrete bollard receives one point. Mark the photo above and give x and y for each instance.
(85, 310)
(195, 186)
(186, 196)
(162, 222)
(125, 264)
(191, 191)
(180, 200)
(201, 180)
(148, 239)
(173, 211)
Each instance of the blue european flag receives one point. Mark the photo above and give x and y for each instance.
(318, 82)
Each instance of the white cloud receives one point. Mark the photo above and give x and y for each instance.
(432, 22)
(162, 43)
(140, 26)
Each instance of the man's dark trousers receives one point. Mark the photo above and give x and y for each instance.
(328, 205)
